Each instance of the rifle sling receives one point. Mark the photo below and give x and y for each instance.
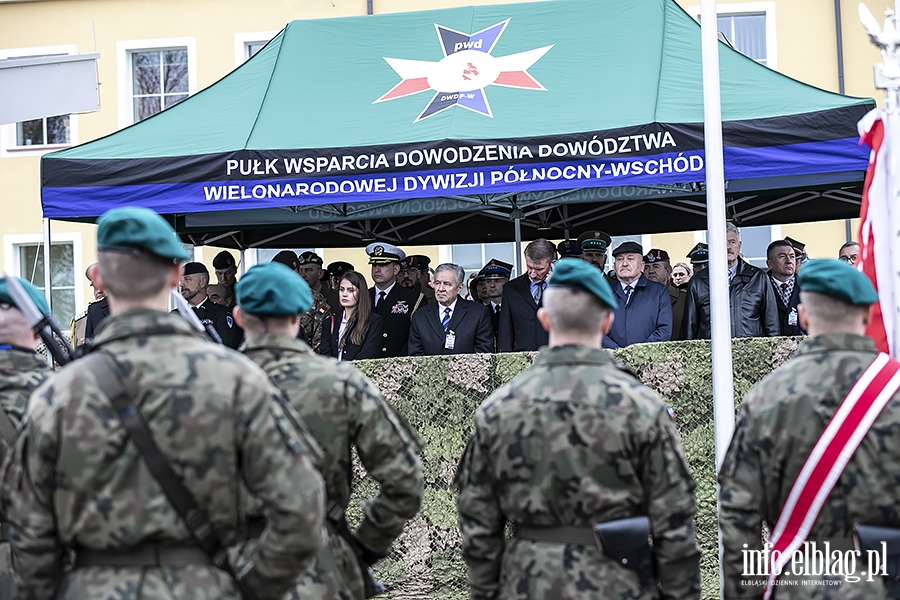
(110, 378)
(7, 428)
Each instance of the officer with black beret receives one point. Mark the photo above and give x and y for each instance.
(194, 284)
(225, 270)
(311, 271)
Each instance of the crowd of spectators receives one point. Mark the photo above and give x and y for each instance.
(412, 309)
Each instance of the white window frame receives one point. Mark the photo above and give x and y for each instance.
(8, 146)
(11, 264)
(124, 70)
(242, 42)
(766, 8)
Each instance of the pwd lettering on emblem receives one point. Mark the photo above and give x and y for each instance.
(467, 45)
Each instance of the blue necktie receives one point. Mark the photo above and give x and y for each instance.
(445, 322)
(628, 290)
(538, 292)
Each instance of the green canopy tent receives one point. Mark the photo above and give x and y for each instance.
(448, 125)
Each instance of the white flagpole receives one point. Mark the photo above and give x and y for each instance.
(722, 376)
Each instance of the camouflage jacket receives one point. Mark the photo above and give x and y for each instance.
(574, 441)
(342, 409)
(779, 422)
(311, 321)
(21, 372)
(76, 480)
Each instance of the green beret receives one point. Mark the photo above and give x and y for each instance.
(36, 295)
(136, 228)
(576, 273)
(837, 279)
(273, 289)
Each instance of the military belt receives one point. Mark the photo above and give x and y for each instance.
(565, 534)
(145, 555)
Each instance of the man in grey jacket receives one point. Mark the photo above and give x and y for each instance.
(754, 311)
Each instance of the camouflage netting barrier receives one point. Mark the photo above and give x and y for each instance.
(439, 394)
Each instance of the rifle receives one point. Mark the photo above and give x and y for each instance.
(43, 325)
(184, 309)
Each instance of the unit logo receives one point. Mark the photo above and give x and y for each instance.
(467, 68)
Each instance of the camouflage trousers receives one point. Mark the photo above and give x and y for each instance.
(334, 574)
(7, 579)
(540, 570)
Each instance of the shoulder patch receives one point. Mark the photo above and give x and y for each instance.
(230, 321)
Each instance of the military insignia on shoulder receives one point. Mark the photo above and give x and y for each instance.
(207, 322)
(322, 310)
(400, 308)
(230, 322)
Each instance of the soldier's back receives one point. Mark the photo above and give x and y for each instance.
(342, 409)
(572, 442)
(210, 412)
(780, 421)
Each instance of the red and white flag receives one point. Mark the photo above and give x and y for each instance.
(875, 234)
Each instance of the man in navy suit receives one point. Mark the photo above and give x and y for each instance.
(519, 327)
(645, 310)
(453, 325)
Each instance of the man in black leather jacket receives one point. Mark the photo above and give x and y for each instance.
(754, 311)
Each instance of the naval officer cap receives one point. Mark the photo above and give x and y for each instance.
(578, 274)
(382, 252)
(137, 229)
(837, 279)
(595, 240)
(699, 254)
(496, 269)
(36, 295)
(570, 248)
(273, 290)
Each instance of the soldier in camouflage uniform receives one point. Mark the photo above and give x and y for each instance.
(78, 487)
(571, 442)
(781, 419)
(313, 320)
(343, 409)
(21, 372)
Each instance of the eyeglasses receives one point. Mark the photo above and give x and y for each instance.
(848, 259)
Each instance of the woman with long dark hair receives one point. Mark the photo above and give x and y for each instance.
(355, 331)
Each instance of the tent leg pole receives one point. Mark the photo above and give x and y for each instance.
(518, 223)
(722, 376)
(243, 267)
(47, 290)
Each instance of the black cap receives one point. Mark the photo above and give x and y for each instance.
(307, 258)
(629, 247)
(338, 268)
(223, 260)
(287, 258)
(192, 268)
(699, 254)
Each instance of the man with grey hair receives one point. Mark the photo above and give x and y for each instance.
(519, 329)
(754, 311)
(456, 325)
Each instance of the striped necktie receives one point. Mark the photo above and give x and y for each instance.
(445, 322)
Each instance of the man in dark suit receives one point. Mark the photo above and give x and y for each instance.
(645, 311)
(780, 258)
(495, 274)
(454, 325)
(519, 326)
(98, 310)
(394, 303)
(194, 282)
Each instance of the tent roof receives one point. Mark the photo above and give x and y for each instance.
(562, 102)
(610, 64)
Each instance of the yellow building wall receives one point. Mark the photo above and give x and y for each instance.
(805, 43)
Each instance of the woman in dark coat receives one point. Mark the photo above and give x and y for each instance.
(355, 331)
